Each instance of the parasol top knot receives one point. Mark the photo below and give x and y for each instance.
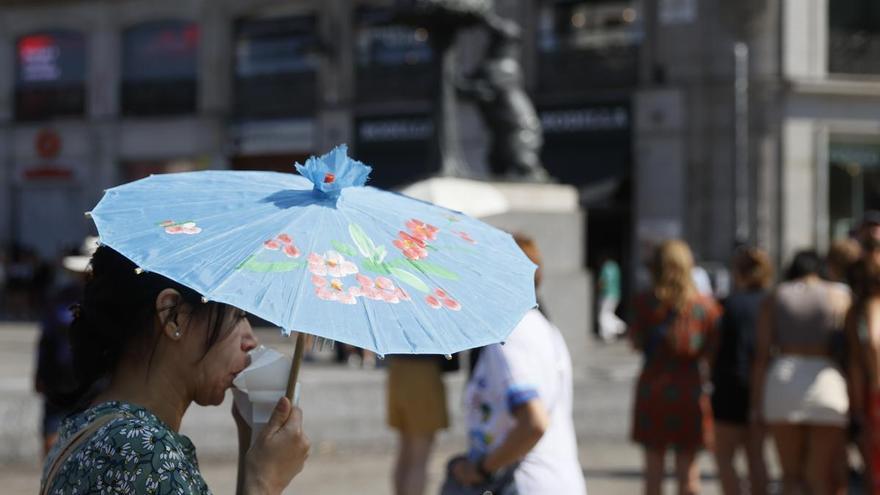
(334, 171)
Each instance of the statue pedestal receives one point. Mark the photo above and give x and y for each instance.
(550, 214)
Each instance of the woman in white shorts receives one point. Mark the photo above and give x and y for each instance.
(802, 396)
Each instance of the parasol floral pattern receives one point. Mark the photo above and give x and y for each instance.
(340, 274)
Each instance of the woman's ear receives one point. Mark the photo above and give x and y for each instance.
(167, 306)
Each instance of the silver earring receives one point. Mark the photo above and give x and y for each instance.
(177, 334)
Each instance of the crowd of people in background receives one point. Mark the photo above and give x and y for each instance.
(796, 363)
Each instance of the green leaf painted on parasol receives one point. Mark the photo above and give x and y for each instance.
(375, 267)
(361, 240)
(379, 253)
(344, 248)
(409, 279)
(253, 265)
(431, 269)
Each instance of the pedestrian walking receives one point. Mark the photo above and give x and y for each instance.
(801, 393)
(518, 408)
(863, 373)
(153, 348)
(417, 410)
(674, 327)
(54, 377)
(731, 374)
(609, 292)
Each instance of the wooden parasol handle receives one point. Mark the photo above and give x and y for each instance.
(294, 366)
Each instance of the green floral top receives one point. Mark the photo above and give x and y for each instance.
(134, 454)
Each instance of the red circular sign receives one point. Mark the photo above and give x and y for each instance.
(47, 143)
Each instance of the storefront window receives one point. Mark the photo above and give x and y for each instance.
(396, 146)
(854, 36)
(393, 62)
(159, 68)
(276, 63)
(854, 182)
(50, 75)
(585, 44)
(588, 143)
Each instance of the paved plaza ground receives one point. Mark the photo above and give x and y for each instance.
(344, 415)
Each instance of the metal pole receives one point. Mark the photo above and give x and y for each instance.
(741, 175)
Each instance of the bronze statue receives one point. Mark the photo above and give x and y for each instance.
(498, 88)
(443, 19)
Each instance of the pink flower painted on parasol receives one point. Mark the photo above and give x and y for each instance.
(421, 230)
(334, 290)
(189, 228)
(440, 298)
(465, 236)
(332, 264)
(380, 289)
(285, 243)
(411, 247)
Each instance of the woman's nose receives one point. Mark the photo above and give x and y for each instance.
(250, 341)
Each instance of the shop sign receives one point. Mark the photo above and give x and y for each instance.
(395, 130)
(865, 155)
(274, 136)
(608, 118)
(51, 58)
(47, 145)
(672, 12)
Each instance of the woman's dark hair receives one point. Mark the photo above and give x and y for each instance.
(753, 267)
(118, 309)
(805, 263)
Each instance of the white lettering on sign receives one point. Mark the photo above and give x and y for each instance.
(395, 130)
(677, 11)
(40, 63)
(585, 119)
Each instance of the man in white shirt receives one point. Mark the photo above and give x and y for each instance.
(518, 406)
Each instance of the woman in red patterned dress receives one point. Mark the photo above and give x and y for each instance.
(674, 327)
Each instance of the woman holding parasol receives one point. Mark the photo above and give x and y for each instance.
(184, 256)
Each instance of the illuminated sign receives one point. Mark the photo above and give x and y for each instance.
(395, 129)
(160, 50)
(51, 58)
(585, 119)
(380, 42)
(265, 47)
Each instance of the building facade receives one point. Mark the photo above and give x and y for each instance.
(715, 121)
(757, 121)
(93, 94)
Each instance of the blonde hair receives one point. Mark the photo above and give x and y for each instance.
(671, 273)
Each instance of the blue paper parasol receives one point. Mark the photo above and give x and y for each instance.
(323, 254)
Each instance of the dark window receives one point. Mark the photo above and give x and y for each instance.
(396, 146)
(50, 75)
(159, 68)
(854, 184)
(854, 36)
(276, 62)
(587, 144)
(587, 44)
(393, 62)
